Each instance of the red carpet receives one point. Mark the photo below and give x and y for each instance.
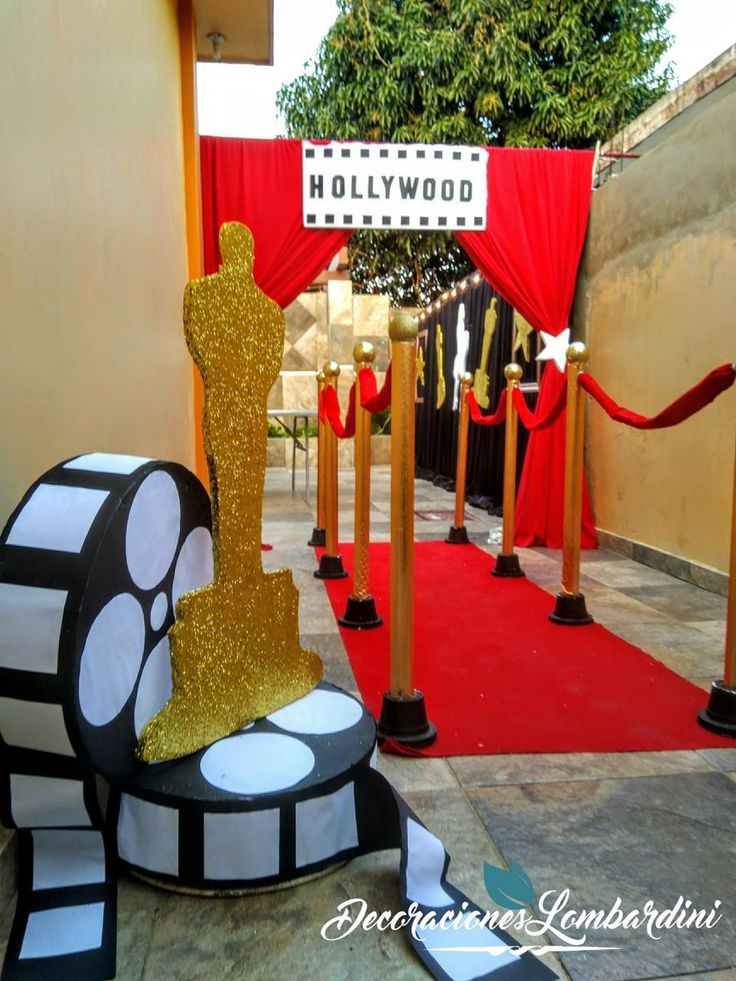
(498, 677)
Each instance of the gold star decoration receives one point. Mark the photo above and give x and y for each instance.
(524, 331)
(235, 651)
(420, 364)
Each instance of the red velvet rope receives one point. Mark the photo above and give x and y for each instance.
(331, 412)
(370, 398)
(477, 416)
(692, 401)
(529, 420)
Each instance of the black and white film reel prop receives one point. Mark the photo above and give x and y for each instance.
(286, 798)
(91, 565)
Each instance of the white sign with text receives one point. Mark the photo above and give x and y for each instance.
(410, 187)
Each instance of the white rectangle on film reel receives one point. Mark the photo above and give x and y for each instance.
(419, 187)
(57, 517)
(30, 625)
(34, 725)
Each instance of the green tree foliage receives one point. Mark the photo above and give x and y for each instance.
(522, 73)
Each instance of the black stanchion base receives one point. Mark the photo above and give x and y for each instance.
(360, 614)
(404, 720)
(318, 537)
(570, 611)
(330, 567)
(720, 715)
(457, 536)
(507, 566)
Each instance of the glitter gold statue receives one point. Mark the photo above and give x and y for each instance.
(235, 652)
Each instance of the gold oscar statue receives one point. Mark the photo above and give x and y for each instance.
(235, 652)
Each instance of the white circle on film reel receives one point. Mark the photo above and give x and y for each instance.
(111, 659)
(154, 688)
(159, 609)
(256, 763)
(152, 532)
(194, 565)
(318, 713)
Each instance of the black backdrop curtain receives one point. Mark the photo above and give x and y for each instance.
(436, 429)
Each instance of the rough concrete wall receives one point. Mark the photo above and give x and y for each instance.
(657, 304)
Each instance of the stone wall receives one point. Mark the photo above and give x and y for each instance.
(322, 326)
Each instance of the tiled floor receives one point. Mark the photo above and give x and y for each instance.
(636, 825)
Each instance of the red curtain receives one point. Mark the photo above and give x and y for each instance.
(537, 213)
(538, 202)
(259, 182)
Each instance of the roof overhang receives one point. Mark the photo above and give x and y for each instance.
(247, 26)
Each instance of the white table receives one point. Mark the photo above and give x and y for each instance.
(296, 415)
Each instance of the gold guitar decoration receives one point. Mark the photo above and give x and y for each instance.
(235, 651)
(524, 331)
(439, 351)
(481, 379)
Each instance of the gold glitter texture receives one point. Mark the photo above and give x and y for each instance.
(235, 652)
(481, 382)
(439, 352)
(524, 331)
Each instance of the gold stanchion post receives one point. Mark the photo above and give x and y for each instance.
(720, 714)
(318, 532)
(330, 564)
(403, 712)
(458, 534)
(570, 607)
(360, 611)
(507, 561)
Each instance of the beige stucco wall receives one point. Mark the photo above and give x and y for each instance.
(657, 302)
(92, 251)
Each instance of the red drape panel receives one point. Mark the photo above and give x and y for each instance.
(259, 182)
(538, 202)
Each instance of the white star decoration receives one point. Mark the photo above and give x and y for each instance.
(555, 348)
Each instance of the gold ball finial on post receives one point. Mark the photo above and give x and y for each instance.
(402, 327)
(331, 369)
(577, 353)
(364, 353)
(513, 372)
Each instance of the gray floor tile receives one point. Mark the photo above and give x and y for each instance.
(488, 771)
(647, 838)
(724, 759)
(683, 601)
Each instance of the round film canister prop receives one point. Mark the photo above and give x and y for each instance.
(92, 562)
(277, 802)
